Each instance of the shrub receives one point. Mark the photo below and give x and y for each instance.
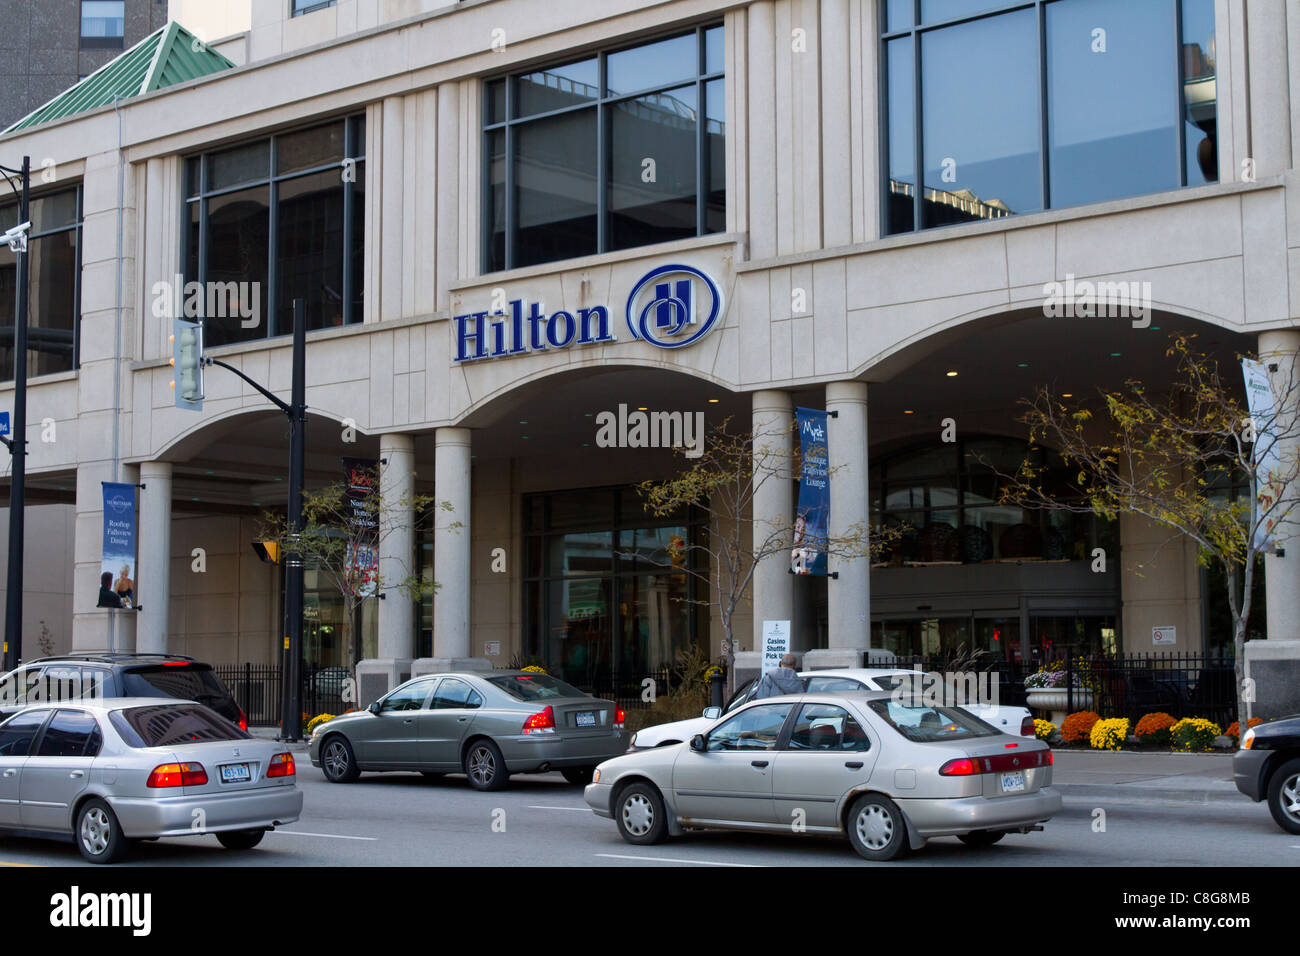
(1043, 729)
(1078, 726)
(534, 669)
(1109, 734)
(1233, 730)
(1154, 729)
(1193, 735)
(317, 721)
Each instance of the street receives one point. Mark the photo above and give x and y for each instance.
(407, 820)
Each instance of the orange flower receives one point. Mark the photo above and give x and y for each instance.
(1078, 726)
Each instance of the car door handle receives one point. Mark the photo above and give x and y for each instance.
(77, 773)
(461, 720)
(409, 720)
(853, 764)
(758, 764)
(10, 772)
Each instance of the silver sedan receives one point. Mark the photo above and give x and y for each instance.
(106, 773)
(887, 772)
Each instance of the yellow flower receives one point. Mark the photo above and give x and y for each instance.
(1109, 734)
(1043, 729)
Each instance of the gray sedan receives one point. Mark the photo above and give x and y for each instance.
(106, 773)
(888, 772)
(487, 726)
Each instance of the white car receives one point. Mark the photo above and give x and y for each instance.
(1016, 721)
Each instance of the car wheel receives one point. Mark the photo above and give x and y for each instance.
(982, 838)
(640, 814)
(240, 839)
(578, 776)
(338, 761)
(485, 767)
(876, 828)
(99, 835)
(1284, 796)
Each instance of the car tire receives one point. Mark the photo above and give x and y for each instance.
(485, 767)
(578, 776)
(982, 838)
(1284, 792)
(641, 815)
(876, 828)
(337, 760)
(240, 839)
(99, 835)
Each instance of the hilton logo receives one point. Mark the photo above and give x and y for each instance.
(670, 307)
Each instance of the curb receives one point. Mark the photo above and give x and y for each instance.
(1151, 794)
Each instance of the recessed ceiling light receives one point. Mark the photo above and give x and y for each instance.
(1067, 394)
(1155, 328)
(641, 408)
(908, 411)
(951, 373)
(713, 401)
(524, 437)
(209, 472)
(1022, 365)
(1116, 354)
(587, 415)
(586, 444)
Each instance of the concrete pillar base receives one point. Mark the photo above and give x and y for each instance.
(1274, 666)
(443, 665)
(835, 657)
(376, 676)
(749, 664)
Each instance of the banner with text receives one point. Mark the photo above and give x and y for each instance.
(808, 554)
(1270, 486)
(363, 524)
(117, 568)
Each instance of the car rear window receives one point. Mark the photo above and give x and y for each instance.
(924, 724)
(534, 686)
(183, 681)
(169, 725)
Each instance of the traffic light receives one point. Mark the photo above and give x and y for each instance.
(187, 360)
(268, 551)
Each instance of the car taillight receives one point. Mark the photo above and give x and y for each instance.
(281, 766)
(243, 720)
(961, 767)
(178, 775)
(620, 716)
(1027, 727)
(996, 763)
(541, 723)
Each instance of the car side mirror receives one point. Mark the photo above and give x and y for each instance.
(712, 713)
(374, 707)
(697, 743)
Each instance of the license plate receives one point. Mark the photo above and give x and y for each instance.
(234, 773)
(1013, 782)
(586, 718)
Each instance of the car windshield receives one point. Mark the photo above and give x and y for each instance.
(184, 681)
(534, 686)
(930, 724)
(169, 725)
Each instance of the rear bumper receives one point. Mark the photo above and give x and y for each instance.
(195, 815)
(950, 817)
(528, 753)
(1248, 772)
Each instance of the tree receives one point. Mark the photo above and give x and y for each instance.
(1171, 458)
(341, 538)
(721, 485)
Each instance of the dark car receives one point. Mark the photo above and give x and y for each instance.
(1268, 767)
(98, 676)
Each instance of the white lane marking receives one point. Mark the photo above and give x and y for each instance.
(328, 836)
(668, 859)
(579, 809)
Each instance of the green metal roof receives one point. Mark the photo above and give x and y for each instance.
(168, 56)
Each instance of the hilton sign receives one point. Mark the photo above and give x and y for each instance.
(670, 307)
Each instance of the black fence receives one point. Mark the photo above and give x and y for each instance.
(1131, 685)
(259, 689)
(629, 691)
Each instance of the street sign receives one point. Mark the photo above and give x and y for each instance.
(4, 423)
(776, 643)
(1164, 636)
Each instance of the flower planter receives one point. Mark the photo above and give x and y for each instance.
(1055, 701)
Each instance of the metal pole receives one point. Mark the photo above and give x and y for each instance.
(293, 575)
(17, 489)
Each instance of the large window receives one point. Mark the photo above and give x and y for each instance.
(53, 286)
(1020, 107)
(103, 24)
(309, 6)
(275, 220)
(619, 149)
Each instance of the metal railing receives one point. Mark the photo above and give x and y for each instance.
(259, 689)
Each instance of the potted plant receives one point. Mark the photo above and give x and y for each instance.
(1046, 689)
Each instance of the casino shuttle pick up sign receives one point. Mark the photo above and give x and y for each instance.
(670, 307)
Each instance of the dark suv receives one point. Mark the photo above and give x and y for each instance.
(117, 675)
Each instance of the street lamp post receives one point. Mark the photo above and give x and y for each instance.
(17, 443)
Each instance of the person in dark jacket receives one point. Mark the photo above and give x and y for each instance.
(780, 680)
(107, 596)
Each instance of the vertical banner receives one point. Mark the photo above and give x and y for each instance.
(117, 569)
(1270, 484)
(808, 555)
(363, 548)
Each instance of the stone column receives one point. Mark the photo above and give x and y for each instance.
(396, 563)
(773, 501)
(153, 576)
(451, 558)
(94, 628)
(848, 611)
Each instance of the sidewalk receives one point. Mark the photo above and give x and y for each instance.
(270, 733)
(1182, 778)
